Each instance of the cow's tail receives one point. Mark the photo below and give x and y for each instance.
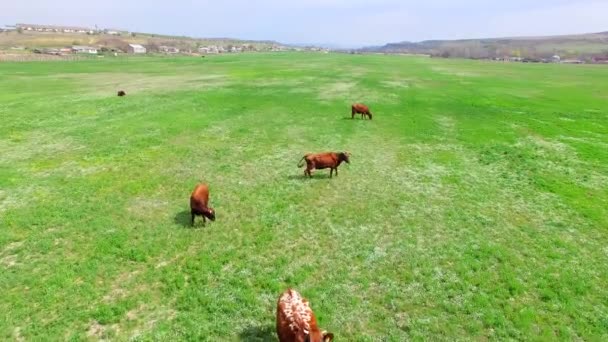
(301, 162)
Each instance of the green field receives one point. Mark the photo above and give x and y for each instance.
(475, 205)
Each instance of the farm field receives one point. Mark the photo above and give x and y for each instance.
(475, 205)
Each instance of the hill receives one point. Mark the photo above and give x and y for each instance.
(34, 39)
(569, 46)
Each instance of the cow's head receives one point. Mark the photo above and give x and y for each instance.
(345, 156)
(319, 336)
(210, 214)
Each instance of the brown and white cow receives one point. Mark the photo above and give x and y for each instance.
(199, 203)
(296, 322)
(360, 108)
(326, 160)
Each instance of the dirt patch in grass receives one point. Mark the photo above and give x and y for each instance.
(95, 330)
(107, 84)
(397, 83)
(11, 247)
(445, 70)
(146, 206)
(21, 147)
(447, 125)
(351, 92)
(336, 90)
(17, 197)
(9, 261)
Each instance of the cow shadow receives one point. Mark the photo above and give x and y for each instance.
(315, 176)
(258, 333)
(355, 118)
(183, 218)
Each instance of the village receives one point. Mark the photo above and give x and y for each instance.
(115, 42)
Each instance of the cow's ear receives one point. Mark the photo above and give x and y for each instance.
(328, 337)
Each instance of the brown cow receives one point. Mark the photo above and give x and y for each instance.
(325, 160)
(360, 108)
(296, 322)
(199, 203)
(121, 93)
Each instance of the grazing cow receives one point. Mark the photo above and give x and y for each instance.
(121, 93)
(199, 203)
(360, 108)
(296, 322)
(325, 160)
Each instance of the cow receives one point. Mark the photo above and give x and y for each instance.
(199, 203)
(121, 93)
(296, 322)
(324, 160)
(360, 108)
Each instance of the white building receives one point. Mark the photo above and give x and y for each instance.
(208, 49)
(136, 48)
(84, 49)
(168, 49)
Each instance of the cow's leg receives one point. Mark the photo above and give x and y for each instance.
(204, 221)
(192, 219)
(336, 172)
(331, 171)
(309, 167)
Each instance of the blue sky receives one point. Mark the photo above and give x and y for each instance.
(347, 23)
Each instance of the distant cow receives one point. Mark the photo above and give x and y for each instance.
(121, 93)
(327, 160)
(296, 322)
(199, 203)
(360, 108)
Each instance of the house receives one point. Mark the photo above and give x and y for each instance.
(136, 48)
(51, 51)
(54, 28)
(572, 61)
(208, 49)
(115, 32)
(84, 49)
(168, 49)
(600, 60)
(277, 48)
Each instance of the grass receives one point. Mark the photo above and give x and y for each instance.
(475, 206)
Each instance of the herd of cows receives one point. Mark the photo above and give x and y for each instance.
(295, 321)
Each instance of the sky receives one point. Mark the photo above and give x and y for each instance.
(339, 23)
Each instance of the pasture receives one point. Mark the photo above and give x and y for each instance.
(475, 205)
